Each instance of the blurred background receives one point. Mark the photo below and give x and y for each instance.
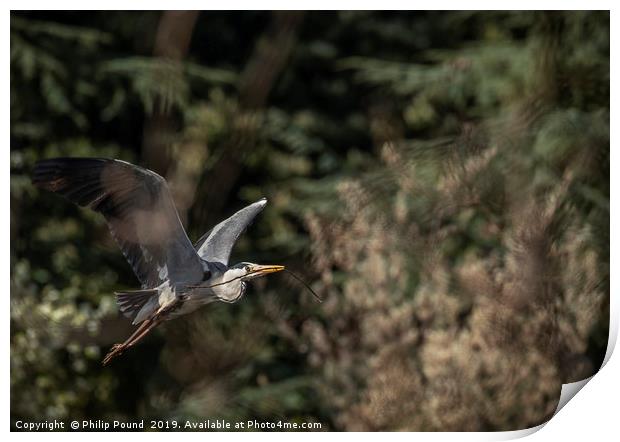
(440, 178)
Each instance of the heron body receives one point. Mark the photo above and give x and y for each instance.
(177, 277)
(223, 284)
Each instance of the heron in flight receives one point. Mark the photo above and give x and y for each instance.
(177, 277)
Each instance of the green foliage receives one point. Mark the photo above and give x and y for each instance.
(159, 80)
(416, 165)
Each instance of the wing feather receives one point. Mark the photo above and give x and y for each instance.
(139, 210)
(216, 245)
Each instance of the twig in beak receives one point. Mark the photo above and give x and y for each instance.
(305, 284)
(243, 276)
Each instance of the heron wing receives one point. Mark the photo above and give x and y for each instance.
(217, 243)
(139, 210)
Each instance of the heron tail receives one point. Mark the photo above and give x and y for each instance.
(131, 302)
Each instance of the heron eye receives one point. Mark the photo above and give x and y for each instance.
(248, 268)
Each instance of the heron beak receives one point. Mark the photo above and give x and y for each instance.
(262, 270)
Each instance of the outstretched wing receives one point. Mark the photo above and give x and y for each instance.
(139, 210)
(217, 243)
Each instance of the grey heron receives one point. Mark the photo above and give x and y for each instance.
(177, 277)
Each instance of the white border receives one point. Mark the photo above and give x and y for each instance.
(593, 415)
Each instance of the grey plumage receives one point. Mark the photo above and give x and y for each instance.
(139, 210)
(176, 276)
(217, 243)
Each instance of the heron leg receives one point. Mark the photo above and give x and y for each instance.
(141, 332)
(146, 326)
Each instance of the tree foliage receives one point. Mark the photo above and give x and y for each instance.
(442, 178)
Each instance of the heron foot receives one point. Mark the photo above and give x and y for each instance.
(116, 350)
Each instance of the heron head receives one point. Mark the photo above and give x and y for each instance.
(248, 270)
(244, 271)
(230, 285)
